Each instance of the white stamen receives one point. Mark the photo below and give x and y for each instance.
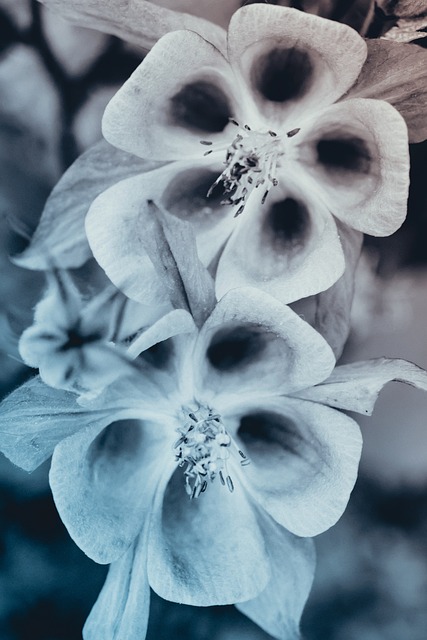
(204, 446)
(251, 161)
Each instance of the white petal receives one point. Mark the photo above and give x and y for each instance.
(103, 483)
(358, 152)
(397, 72)
(122, 608)
(329, 312)
(277, 610)
(181, 93)
(60, 237)
(293, 61)
(120, 227)
(252, 345)
(35, 417)
(288, 237)
(205, 551)
(356, 386)
(304, 460)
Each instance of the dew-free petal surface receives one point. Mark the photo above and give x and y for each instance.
(304, 461)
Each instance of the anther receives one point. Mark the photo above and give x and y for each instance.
(293, 133)
(207, 142)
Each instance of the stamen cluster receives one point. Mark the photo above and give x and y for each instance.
(205, 446)
(251, 162)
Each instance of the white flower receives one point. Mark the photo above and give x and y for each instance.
(253, 379)
(272, 113)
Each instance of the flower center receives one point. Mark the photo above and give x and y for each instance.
(251, 161)
(204, 447)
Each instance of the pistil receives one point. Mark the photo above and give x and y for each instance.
(204, 448)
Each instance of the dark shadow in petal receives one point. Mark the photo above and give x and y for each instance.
(267, 429)
(264, 434)
(287, 223)
(116, 447)
(344, 153)
(201, 106)
(282, 74)
(235, 347)
(159, 355)
(186, 195)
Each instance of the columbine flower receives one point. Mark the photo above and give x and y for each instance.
(393, 72)
(285, 151)
(189, 473)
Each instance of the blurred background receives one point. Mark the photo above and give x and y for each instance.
(371, 583)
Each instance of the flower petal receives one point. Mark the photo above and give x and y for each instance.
(103, 481)
(135, 21)
(289, 236)
(252, 346)
(206, 551)
(362, 169)
(122, 608)
(60, 237)
(181, 93)
(278, 608)
(329, 311)
(35, 417)
(356, 386)
(304, 460)
(121, 228)
(397, 73)
(293, 61)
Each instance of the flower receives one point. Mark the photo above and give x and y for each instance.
(138, 469)
(283, 146)
(72, 340)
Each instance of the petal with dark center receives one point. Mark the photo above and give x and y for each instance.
(358, 152)
(180, 94)
(304, 460)
(122, 608)
(252, 346)
(103, 483)
(291, 60)
(35, 417)
(397, 73)
(206, 551)
(356, 386)
(289, 236)
(60, 236)
(278, 608)
(118, 225)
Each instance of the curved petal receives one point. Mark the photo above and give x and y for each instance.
(358, 152)
(206, 551)
(252, 346)
(279, 607)
(293, 61)
(35, 417)
(397, 73)
(135, 21)
(181, 93)
(122, 608)
(356, 386)
(288, 237)
(304, 460)
(329, 312)
(118, 226)
(60, 236)
(103, 482)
